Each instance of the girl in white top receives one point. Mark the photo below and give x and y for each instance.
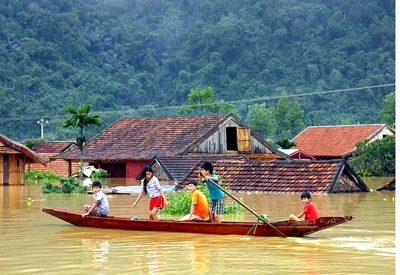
(150, 185)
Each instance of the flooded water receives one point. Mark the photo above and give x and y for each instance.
(33, 242)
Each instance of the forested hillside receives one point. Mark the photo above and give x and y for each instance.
(142, 57)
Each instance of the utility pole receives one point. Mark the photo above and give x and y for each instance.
(42, 123)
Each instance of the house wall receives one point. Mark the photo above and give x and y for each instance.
(11, 170)
(217, 142)
(134, 168)
(2, 172)
(159, 172)
(385, 132)
(59, 166)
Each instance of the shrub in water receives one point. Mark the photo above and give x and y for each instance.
(179, 202)
(69, 185)
(39, 175)
(101, 173)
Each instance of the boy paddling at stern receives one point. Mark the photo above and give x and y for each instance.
(309, 210)
(199, 209)
(216, 196)
(100, 205)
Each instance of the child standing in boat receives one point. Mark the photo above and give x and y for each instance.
(216, 196)
(100, 206)
(199, 208)
(309, 212)
(150, 185)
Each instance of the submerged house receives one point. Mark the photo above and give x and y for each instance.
(49, 149)
(13, 157)
(330, 176)
(389, 186)
(177, 168)
(337, 142)
(125, 147)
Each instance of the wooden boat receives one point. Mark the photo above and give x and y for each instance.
(288, 228)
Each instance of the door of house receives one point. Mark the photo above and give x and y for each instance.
(231, 139)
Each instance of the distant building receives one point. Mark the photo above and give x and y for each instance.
(297, 154)
(49, 149)
(337, 142)
(13, 157)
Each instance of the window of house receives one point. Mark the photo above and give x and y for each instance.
(231, 139)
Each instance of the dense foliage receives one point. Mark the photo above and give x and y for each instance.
(388, 112)
(143, 57)
(202, 102)
(377, 158)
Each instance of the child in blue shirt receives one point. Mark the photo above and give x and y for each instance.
(216, 196)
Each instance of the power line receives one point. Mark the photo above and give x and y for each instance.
(59, 116)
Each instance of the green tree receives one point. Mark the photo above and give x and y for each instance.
(388, 111)
(81, 118)
(289, 118)
(32, 142)
(376, 158)
(201, 102)
(285, 143)
(260, 119)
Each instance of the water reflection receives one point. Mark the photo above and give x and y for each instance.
(199, 256)
(34, 242)
(98, 250)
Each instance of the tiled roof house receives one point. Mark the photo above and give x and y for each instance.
(49, 149)
(335, 142)
(177, 168)
(13, 157)
(330, 176)
(125, 147)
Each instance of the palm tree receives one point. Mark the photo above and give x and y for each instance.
(81, 118)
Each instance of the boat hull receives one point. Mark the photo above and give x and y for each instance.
(288, 228)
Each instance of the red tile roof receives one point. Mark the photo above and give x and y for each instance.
(334, 141)
(281, 176)
(178, 167)
(11, 147)
(53, 147)
(143, 138)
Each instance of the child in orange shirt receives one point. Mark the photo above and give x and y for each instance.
(199, 210)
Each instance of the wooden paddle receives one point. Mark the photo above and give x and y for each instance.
(245, 206)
